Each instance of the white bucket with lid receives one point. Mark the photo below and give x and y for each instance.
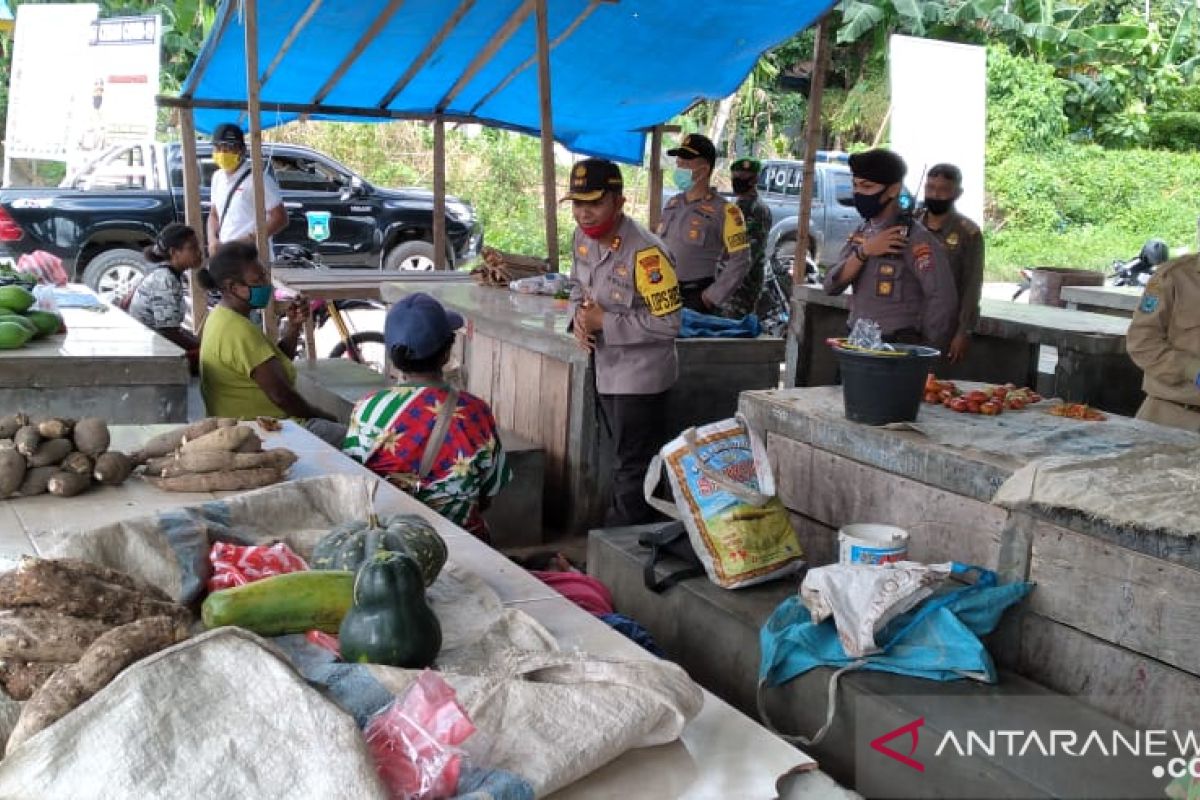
(872, 543)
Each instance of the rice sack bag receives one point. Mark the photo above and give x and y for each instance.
(725, 496)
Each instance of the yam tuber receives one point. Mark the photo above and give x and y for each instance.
(91, 436)
(68, 484)
(155, 466)
(63, 586)
(7, 444)
(51, 451)
(112, 468)
(166, 444)
(232, 481)
(35, 634)
(37, 481)
(74, 567)
(21, 679)
(228, 439)
(215, 461)
(55, 428)
(77, 462)
(253, 444)
(27, 440)
(103, 661)
(11, 423)
(12, 471)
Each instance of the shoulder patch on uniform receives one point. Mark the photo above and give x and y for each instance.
(923, 257)
(734, 229)
(1149, 303)
(656, 281)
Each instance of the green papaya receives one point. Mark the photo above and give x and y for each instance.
(294, 602)
(390, 621)
(25, 323)
(16, 298)
(13, 335)
(47, 322)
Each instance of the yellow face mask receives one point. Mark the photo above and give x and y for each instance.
(227, 161)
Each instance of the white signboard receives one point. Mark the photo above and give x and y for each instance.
(51, 41)
(122, 80)
(939, 112)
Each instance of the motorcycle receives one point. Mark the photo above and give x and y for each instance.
(1137, 271)
(774, 304)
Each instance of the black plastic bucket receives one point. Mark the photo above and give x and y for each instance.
(878, 389)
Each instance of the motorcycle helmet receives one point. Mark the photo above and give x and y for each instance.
(1154, 252)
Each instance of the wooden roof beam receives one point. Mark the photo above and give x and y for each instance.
(485, 55)
(427, 53)
(290, 40)
(364, 42)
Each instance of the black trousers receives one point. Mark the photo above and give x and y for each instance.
(691, 293)
(638, 423)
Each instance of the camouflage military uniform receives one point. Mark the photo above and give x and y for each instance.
(758, 224)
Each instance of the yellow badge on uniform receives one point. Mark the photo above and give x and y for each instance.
(583, 250)
(887, 270)
(694, 233)
(616, 244)
(884, 288)
(736, 238)
(622, 271)
(952, 240)
(656, 281)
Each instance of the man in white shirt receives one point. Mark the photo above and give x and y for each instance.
(231, 215)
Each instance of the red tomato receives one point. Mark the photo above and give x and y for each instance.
(1000, 392)
(1015, 404)
(989, 409)
(973, 407)
(977, 396)
(958, 404)
(932, 397)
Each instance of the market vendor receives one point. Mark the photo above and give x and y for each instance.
(899, 271)
(243, 374)
(626, 311)
(963, 243)
(437, 443)
(744, 176)
(1164, 340)
(703, 232)
(158, 301)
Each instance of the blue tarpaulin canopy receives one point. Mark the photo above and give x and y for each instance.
(616, 68)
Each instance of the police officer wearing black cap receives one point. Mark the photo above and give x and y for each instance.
(626, 312)
(899, 271)
(705, 233)
(231, 215)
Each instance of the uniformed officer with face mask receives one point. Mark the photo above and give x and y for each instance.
(626, 312)
(899, 271)
(705, 233)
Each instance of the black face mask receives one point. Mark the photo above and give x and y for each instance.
(869, 205)
(742, 185)
(938, 207)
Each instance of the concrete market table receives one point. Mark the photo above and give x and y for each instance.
(1115, 617)
(1093, 366)
(107, 365)
(722, 753)
(518, 356)
(1117, 301)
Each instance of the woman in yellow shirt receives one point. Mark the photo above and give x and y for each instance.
(242, 373)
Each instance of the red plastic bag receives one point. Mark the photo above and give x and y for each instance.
(46, 267)
(237, 565)
(414, 741)
(325, 642)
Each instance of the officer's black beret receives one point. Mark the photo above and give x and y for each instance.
(878, 166)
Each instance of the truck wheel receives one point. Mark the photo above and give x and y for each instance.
(114, 272)
(415, 255)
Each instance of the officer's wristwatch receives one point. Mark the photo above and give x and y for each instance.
(860, 253)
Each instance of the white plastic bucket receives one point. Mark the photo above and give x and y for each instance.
(870, 543)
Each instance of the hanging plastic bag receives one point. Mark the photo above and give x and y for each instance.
(237, 565)
(415, 741)
(46, 267)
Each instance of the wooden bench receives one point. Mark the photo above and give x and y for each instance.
(1117, 301)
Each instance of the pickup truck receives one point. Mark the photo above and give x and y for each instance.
(99, 222)
(834, 217)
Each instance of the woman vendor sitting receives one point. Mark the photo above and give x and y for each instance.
(435, 442)
(158, 300)
(242, 373)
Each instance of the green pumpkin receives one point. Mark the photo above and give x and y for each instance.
(390, 622)
(352, 544)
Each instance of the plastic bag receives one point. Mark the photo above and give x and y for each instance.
(237, 565)
(725, 496)
(867, 335)
(415, 739)
(550, 284)
(46, 267)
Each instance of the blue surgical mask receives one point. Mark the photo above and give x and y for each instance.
(260, 296)
(683, 179)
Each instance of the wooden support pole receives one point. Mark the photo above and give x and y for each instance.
(656, 176)
(439, 194)
(812, 141)
(549, 200)
(270, 322)
(192, 211)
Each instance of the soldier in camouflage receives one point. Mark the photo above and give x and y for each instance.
(744, 176)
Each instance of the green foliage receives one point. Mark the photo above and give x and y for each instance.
(1175, 130)
(1025, 105)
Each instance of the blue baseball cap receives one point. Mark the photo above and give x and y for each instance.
(421, 324)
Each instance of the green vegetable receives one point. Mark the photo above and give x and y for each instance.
(16, 298)
(24, 322)
(13, 335)
(390, 622)
(350, 545)
(47, 322)
(292, 603)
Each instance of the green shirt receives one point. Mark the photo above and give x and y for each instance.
(230, 349)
